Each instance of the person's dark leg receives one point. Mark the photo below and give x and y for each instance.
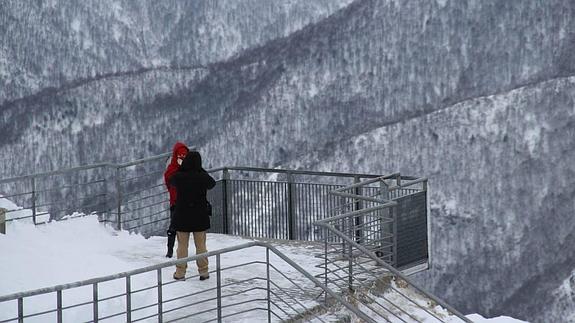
(171, 235)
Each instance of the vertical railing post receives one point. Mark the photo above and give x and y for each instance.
(385, 228)
(160, 298)
(128, 299)
(119, 198)
(268, 284)
(350, 255)
(291, 205)
(393, 210)
(95, 302)
(34, 200)
(20, 310)
(359, 218)
(225, 191)
(326, 237)
(3, 220)
(219, 286)
(59, 305)
(427, 215)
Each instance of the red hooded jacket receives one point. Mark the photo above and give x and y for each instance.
(179, 148)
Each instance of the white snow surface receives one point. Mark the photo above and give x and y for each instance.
(81, 248)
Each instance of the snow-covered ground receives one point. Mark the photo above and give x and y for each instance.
(81, 248)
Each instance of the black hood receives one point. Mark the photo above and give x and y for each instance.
(192, 162)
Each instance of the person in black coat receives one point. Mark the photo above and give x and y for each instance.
(191, 213)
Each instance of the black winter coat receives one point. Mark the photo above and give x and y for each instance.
(191, 182)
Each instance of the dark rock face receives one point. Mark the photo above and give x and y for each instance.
(477, 95)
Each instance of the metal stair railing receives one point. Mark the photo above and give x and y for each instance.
(360, 252)
(271, 284)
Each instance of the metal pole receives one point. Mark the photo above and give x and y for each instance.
(3, 221)
(20, 310)
(225, 180)
(385, 228)
(394, 225)
(160, 300)
(128, 299)
(350, 255)
(219, 287)
(357, 206)
(95, 301)
(326, 237)
(59, 305)
(428, 220)
(34, 200)
(291, 233)
(119, 196)
(269, 285)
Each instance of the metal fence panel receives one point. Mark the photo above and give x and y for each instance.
(56, 195)
(142, 200)
(258, 209)
(411, 230)
(312, 202)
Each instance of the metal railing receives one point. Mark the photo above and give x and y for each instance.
(132, 196)
(274, 203)
(269, 283)
(53, 195)
(370, 228)
(247, 201)
(362, 251)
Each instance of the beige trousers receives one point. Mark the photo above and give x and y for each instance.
(182, 252)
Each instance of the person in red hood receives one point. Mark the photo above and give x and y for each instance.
(179, 152)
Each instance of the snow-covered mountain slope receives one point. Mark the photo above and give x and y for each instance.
(502, 182)
(371, 64)
(51, 43)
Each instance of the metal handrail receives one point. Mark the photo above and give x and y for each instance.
(351, 244)
(212, 170)
(394, 271)
(294, 172)
(128, 274)
(145, 160)
(56, 172)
